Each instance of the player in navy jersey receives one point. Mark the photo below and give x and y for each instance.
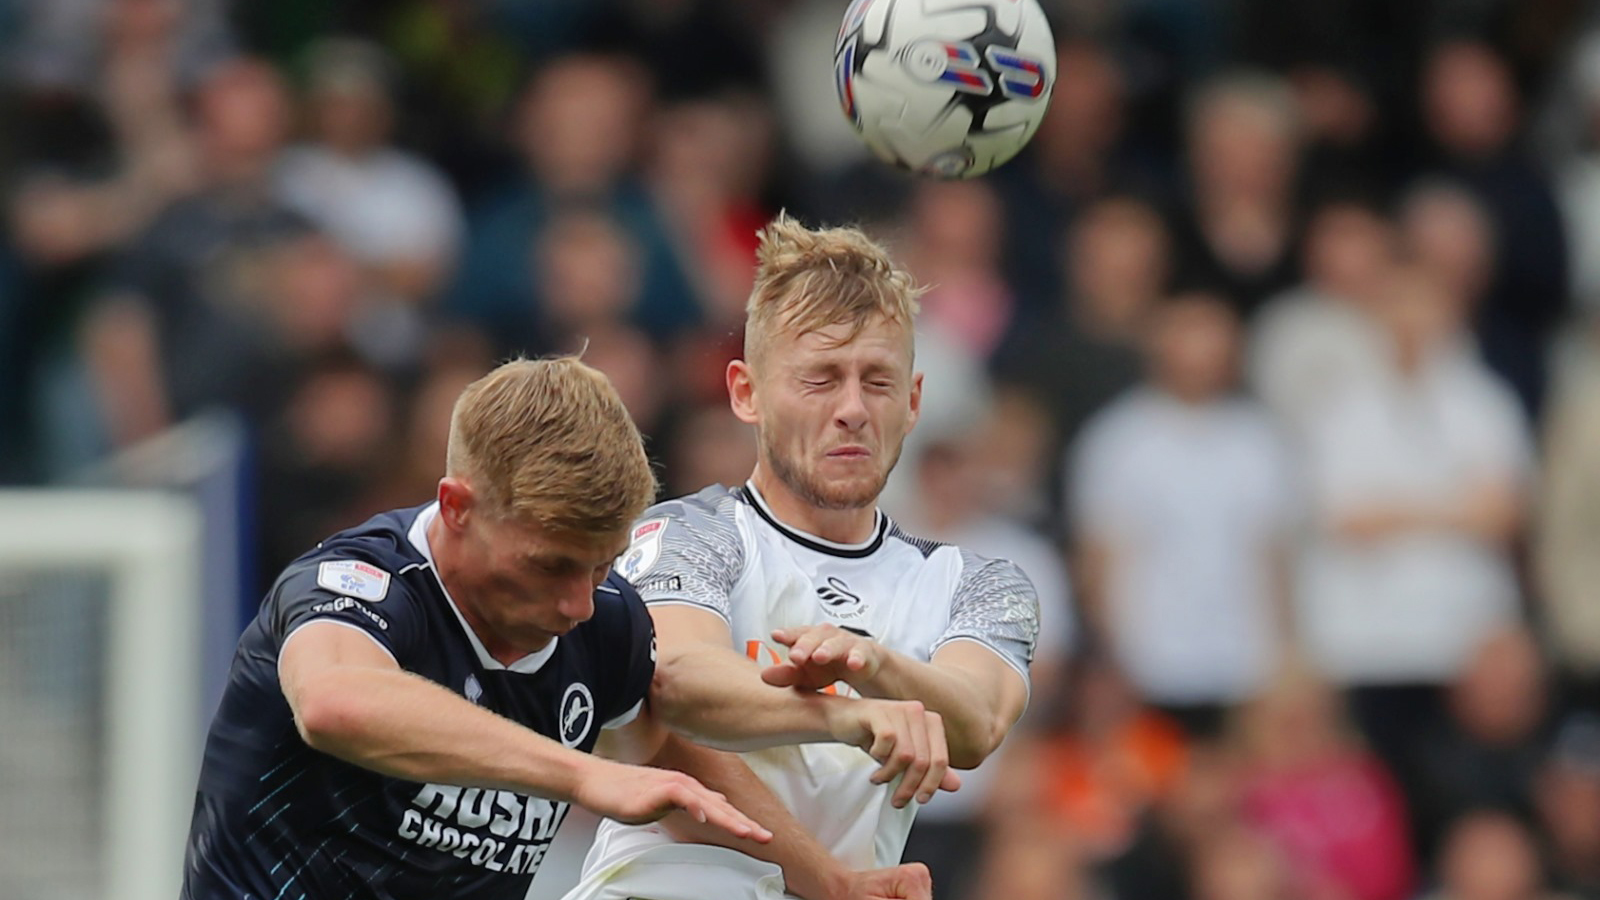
(413, 709)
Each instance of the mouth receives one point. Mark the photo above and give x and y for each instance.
(851, 451)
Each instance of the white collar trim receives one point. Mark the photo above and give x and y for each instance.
(527, 665)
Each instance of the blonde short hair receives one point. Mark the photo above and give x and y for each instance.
(548, 441)
(809, 279)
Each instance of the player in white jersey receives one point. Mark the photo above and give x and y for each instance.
(796, 581)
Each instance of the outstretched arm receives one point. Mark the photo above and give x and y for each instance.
(707, 691)
(979, 695)
(977, 677)
(351, 700)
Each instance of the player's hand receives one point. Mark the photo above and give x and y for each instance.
(905, 737)
(819, 655)
(635, 795)
(908, 882)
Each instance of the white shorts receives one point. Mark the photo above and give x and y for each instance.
(683, 872)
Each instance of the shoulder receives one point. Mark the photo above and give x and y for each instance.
(926, 546)
(700, 526)
(993, 576)
(360, 562)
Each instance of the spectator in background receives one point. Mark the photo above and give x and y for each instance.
(312, 290)
(577, 126)
(1418, 475)
(1237, 231)
(1343, 128)
(1310, 342)
(1097, 770)
(1030, 859)
(708, 445)
(1472, 113)
(709, 166)
(588, 279)
(1071, 160)
(107, 148)
(1578, 187)
(96, 146)
(631, 361)
(1490, 856)
(1074, 358)
(1486, 752)
(1329, 805)
(1569, 521)
(424, 427)
(393, 210)
(1238, 864)
(953, 236)
(180, 328)
(324, 454)
(951, 505)
(1448, 232)
(1568, 799)
(1183, 497)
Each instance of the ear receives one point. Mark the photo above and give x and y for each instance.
(455, 502)
(742, 391)
(916, 402)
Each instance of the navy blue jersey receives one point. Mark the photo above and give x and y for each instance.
(277, 820)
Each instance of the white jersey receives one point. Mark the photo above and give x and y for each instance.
(723, 550)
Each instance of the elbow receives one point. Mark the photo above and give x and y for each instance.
(969, 750)
(324, 719)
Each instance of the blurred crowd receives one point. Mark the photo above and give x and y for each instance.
(1274, 360)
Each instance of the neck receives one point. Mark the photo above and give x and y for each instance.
(842, 526)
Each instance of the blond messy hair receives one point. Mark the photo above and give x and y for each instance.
(548, 441)
(809, 279)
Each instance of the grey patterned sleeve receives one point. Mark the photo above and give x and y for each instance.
(996, 605)
(686, 551)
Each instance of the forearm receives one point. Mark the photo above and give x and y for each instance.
(717, 698)
(809, 870)
(972, 727)
(405, 726)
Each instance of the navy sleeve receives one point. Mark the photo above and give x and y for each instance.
(352, 591)
(630, 664)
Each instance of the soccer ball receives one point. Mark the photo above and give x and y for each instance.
(948, 88)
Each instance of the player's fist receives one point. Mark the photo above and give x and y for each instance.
(908, 882)
(819, 655)
(635, 795)
(905, 737)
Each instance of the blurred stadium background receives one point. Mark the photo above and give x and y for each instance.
(1275, 360)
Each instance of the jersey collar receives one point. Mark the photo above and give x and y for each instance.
(880, 529)
(527, 665)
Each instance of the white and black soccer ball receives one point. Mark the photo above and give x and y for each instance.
(948, 88)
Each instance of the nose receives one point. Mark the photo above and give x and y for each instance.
(851, 415)
(577, 599)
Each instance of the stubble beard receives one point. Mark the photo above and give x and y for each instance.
(835, 498)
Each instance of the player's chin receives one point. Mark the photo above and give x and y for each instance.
(852, 491)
